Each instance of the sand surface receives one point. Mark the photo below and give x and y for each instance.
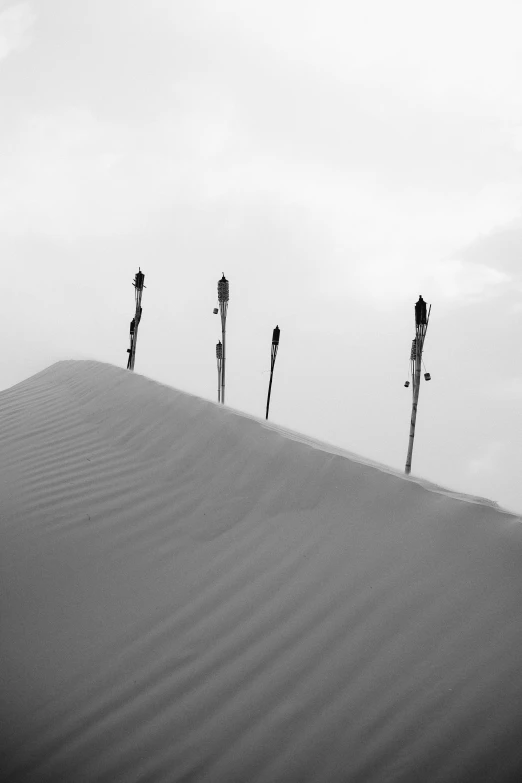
(190, 595)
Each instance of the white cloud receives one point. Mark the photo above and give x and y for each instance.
(74, 174)
(57, 179)
(463, 282)
(505, 390)
(440, 51)
(393, 279)
(16, 25)
(488, 461)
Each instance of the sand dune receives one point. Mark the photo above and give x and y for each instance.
(190, 595)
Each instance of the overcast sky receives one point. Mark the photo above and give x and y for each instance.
(334, 158)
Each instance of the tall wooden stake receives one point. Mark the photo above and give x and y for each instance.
(219, 357)
(139, 280)
(223, 297)
(421, 326)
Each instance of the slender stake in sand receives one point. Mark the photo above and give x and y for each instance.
(223, 295)
(138, 284)
(275, 346)
(219, 357)
(421, 326)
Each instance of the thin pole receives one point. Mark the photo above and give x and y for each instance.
(273, 355)
(219, 357)
(138, 292)
(223, 296)
(129, 350)
(135, 338)
(421, 326)
(269, 390)
(223, 337)
(415, 404)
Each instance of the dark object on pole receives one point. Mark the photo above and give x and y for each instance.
(219, 358)
(275, 347)
(223, 297)
(421, 326)
(420, 312)
(139, 285)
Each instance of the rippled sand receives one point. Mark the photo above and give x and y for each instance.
(188, 594)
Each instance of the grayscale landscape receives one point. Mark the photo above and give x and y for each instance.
(260, 391)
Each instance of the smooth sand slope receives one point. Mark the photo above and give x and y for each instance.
(189, 595)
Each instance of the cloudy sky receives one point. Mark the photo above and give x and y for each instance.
(334, 158)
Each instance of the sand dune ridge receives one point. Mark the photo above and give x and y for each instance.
(190, 595)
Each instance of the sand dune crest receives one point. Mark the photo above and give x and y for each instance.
(189, 595)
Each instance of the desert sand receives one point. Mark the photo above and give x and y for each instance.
(188, 594)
